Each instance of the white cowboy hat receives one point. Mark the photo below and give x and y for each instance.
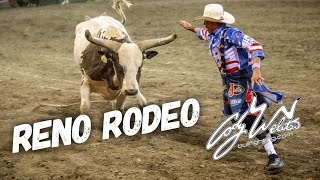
(215, 13)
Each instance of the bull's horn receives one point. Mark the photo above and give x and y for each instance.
(147, 44)
(113, 45)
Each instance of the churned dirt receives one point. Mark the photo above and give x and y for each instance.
(36, 58)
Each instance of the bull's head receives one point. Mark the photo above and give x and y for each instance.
(129, 59)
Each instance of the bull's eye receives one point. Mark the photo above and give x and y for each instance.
(139, 74)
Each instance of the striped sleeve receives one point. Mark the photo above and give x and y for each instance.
(252, 46)
(202, 34)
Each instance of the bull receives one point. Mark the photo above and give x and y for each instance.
(110, 61)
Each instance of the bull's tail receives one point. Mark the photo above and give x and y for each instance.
(118, 6)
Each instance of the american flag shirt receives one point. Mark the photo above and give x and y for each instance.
(240, 49)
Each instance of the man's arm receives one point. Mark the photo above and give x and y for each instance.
(202, 33)
(188, 26)
(256, 74)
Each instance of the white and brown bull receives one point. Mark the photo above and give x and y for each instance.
(110, 62)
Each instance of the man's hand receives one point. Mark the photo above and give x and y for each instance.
(188, 26)
(256, 77)
(256, 74)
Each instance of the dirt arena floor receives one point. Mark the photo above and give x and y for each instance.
(36, 58)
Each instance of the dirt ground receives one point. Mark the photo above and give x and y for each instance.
(36, 58)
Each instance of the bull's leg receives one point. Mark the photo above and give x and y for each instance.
(142, 100)
(120, 102)
(85, 97)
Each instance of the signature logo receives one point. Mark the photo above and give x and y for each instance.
(287, 123)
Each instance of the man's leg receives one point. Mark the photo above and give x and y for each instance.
(274, 160)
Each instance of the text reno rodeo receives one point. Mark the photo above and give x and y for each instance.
(111, 122)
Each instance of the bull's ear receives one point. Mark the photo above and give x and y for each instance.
(149, 54)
